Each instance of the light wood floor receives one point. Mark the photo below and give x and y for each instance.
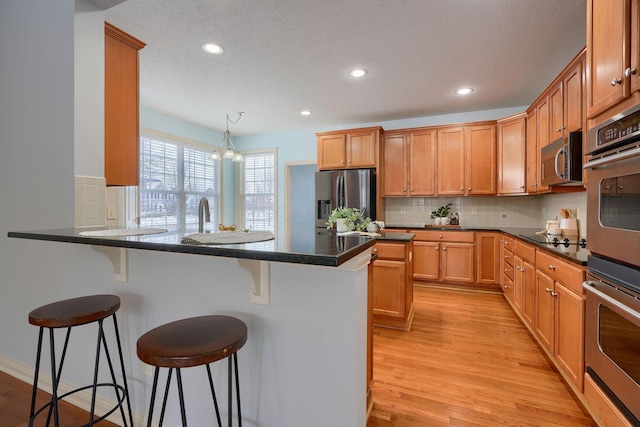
(467, 361)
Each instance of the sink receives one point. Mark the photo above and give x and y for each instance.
(122, 232)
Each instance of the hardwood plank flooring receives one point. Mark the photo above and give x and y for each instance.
(15, 400)
(467, 361)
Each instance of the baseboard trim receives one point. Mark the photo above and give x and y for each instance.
(81, 399)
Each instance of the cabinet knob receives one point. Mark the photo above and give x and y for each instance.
(436, 248)
(629, 72)
(616, 81)
(548, 290)
(462, 189)
(444, 249)
(342, 161)
(374, 250)
(469, 189)
(506, 270)
(404, 190)
(553, 294)
(552, 267)
(506, 257)
(506, 286)
(441, 236)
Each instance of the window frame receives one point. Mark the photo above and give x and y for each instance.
(240, 179)
(182, 143)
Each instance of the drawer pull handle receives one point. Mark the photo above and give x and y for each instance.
(506, 286)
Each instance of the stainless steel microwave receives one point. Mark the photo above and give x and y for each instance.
(561, 161)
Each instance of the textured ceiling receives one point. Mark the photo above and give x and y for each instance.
(284, 56)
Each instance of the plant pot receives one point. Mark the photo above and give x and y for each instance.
(445, 221)
(341, 225)
(436, 220)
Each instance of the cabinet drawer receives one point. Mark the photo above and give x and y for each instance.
(507, 242)
(508, 257)
(508, 270)
(569, 275)
(524, 250)
(389, 250)
(446, 236)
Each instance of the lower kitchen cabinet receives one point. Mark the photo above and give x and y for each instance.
(488, 259)
(545, 321)
(569, 315)
(445, 256)
(524, 288)
(393, 285)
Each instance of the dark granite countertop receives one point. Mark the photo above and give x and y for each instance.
(574, 253)
(396, 237)
(326, 249)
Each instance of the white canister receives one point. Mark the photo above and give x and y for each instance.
(569, 226)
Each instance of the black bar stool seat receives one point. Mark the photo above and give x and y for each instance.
(68, 314)
(193, 342)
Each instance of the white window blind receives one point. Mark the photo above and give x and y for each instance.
(258, 191)
(173, 178)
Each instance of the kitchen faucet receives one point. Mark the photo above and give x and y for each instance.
(203, 207)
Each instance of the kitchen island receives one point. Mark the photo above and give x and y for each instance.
(305, 360)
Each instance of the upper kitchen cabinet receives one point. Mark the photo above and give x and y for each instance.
(467, 160)
(565, 100)
(122, 107)
(612, 53)
(512, 154)
(349, 149)
(532, 158)
(410, 163)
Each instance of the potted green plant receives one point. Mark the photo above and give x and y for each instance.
(348, 219)
(441, 214)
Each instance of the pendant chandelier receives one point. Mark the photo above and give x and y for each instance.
(227, 150)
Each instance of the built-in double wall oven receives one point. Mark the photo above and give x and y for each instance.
(612, 316)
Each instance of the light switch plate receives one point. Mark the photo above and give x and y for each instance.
(112, 212)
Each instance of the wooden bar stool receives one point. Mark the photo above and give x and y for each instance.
(68, 314)
(194, 342)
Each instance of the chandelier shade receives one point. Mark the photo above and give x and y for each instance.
(226, 150)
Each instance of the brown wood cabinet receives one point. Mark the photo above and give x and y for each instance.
(410, 163)
(524, 281)
(393, 285)
(488, 260)
(506, 279)
(560, 314)
(446, 256)
(467, 159)
(349, 149)
(533, 178)
(612, 53)
(566, 100)
(121, 107)
(511, 154)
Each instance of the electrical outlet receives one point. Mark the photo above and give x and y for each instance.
(474, 210)
(402, 211)
(112, 212)
(504, 215)
(147, 370)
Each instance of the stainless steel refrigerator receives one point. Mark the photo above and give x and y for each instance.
(352, 188)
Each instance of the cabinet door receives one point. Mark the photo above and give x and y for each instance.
(544, 122)
(480, 151)
(634, 67)
(389, 288)
(556, 107)
(608, 47)
(422, 163)
(361, 150)
(544, 321)
(488, 267)
(573, 99)
(121, 107)
(511, 156)
(529, 292)
(518, 284)
(569, 320)
(451, 161)
(395, 158)
(533, 155)
(457, 262)
(426, 260)
(331, 151)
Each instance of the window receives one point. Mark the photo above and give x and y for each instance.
(258, 188)
(174, 176)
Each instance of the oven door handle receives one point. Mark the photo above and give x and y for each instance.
(589, 286)
(612, 158)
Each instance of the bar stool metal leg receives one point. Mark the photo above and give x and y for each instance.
(213, 394)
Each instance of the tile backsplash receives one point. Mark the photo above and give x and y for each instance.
(90, 201)
(95, 203)
(512, 211)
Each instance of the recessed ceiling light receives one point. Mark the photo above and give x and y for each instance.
(212, 48)
(358, 72)
(464, 91)
(305, 112)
